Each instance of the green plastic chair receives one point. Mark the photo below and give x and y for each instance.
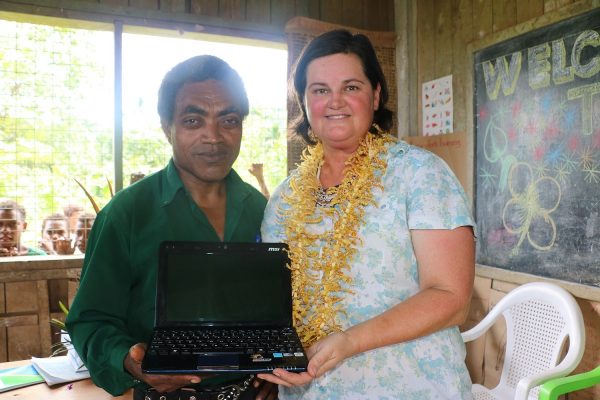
(555, 387)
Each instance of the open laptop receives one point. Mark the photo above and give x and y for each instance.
(223, 307)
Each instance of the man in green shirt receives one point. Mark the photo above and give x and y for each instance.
(197, 196)
(12, 225)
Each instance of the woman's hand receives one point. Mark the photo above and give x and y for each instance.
(323, 356)
(162, 383)
(328, 352)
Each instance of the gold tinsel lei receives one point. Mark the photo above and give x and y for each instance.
(320, 277)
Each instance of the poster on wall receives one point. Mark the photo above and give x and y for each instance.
(537, 134)
(437, 106)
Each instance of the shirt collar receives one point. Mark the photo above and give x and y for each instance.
(236, 189)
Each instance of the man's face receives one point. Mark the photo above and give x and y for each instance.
(11, 227)
(206, 132)
(83, 231)
(56, 229)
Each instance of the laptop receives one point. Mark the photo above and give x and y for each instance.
(223, 307)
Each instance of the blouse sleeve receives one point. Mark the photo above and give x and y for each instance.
(272, 228)
(436, 199)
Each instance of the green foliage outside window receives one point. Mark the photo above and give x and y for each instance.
(56, 124)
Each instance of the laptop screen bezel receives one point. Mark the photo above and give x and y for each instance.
(275, 249)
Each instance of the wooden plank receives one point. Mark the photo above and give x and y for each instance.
(549, 5)
(425, 50)
(144, 4)
(57, 292)
(462, 13)
(482, 18)
(173, 6)
(17, 276)
(258, 11)
(379, 15)
(406, 68)
(21, 297)
(114, 3)
(7, 321)
(3, 347)
(23, 342)
(281, 12)
(2, 298)
(504, 14)
(564, 3)
(444, 32)
(331, 11)
(44, 326)
(353, 12)
(478, 309)
(71, 291)
(209, 8)
(232, 9)
(591, 354)
(307, 8)
(527, 10)
(495, 343)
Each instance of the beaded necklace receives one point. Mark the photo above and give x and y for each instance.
(320, 263)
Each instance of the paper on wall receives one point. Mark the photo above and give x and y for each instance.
(437, 106)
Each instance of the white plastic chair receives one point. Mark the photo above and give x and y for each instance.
(539, 318)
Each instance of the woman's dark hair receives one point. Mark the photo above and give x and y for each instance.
(199, 69)
(335, 42)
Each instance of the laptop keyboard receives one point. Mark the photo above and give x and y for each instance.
(224, 341)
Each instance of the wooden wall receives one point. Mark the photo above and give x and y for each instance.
(446, 28)
(262, 19)
(30, 290)
(444, 37)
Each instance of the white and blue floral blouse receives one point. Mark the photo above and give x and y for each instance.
(420, 192)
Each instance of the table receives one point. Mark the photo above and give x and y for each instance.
(79, 390)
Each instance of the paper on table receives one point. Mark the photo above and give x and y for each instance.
(57, 370)
(13, 378)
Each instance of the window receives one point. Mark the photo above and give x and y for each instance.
(57, 110)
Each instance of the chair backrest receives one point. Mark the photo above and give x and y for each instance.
(539, 318)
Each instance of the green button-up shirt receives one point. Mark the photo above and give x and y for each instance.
(114, 305)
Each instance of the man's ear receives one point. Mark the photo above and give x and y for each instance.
(166, 127)
(24, 225)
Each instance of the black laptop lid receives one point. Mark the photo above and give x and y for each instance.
(223, 284)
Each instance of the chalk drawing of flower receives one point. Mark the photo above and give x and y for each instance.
(528, 212)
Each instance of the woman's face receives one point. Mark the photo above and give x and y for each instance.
(339, 100)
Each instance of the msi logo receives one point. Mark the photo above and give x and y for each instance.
(273, 249)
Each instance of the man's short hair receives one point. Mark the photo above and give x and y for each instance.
(87, 216)
(199, 69)
(55, 217)
(70, 209)
(13, 205)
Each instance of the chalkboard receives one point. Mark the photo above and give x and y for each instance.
(537, 151)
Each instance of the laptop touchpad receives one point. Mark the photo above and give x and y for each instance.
(219, 361)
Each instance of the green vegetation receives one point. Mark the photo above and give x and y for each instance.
(56, 90)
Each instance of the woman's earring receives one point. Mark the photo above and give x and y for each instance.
(312, 136)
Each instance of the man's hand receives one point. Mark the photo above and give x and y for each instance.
(162, 383)
(8, 251)
(256, 169)
(63, 246)
(265, 390)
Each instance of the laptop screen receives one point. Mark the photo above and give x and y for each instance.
(223, 284)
